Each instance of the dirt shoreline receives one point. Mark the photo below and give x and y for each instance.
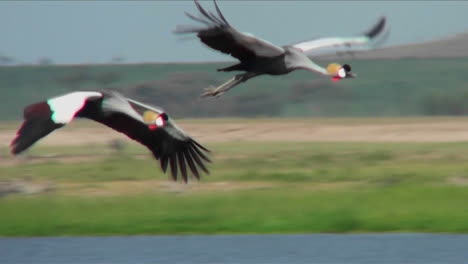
(294, 130)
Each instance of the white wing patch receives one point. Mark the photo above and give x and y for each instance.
(367, 40)
(308, 46)
(65, 107)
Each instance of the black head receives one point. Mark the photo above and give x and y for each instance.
(347, 69)
(164, 116)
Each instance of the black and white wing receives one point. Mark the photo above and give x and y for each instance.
(335, 45)
(219, 35)
(168, 143)
(41, 118)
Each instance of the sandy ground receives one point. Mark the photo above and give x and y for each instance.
(135, 187)
(230, 130)
(303, 130)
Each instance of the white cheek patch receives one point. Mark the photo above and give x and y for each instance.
(341, 73)
(159, 122)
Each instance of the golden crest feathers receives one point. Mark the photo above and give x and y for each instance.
(149, 116)
(333, 68)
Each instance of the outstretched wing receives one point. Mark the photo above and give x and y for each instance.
(323, 46)
(219, 35)
(36, 125)
(41, 118)
(169, 144)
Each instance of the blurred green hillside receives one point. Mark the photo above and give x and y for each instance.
(402, 87)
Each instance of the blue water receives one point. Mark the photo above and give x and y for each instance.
(372, 248)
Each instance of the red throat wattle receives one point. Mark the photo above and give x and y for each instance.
(152, 126)
(335, 79)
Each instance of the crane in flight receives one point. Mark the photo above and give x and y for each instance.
(258, 56)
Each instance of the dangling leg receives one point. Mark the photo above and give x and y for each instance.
(218, 91)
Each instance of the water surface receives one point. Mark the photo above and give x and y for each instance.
(316, 248)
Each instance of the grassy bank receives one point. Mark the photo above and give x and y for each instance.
(270, 187)
(286, 209)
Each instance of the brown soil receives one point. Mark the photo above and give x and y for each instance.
(360, 130)
(154, 186)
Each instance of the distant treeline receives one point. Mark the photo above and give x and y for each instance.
(405, 87)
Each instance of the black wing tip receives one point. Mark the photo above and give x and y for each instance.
(163, 162)
(200, 146)
(220, 14)
(20, 144)
(210, 19)
(200, 150)
(26, 135)
(377, 28)
(14, 150)
(187, 162)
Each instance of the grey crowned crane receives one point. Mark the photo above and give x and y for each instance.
(150, 126)
(259, 57)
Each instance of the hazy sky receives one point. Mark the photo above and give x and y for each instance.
(141, 31)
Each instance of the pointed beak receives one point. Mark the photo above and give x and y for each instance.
(350, 75)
